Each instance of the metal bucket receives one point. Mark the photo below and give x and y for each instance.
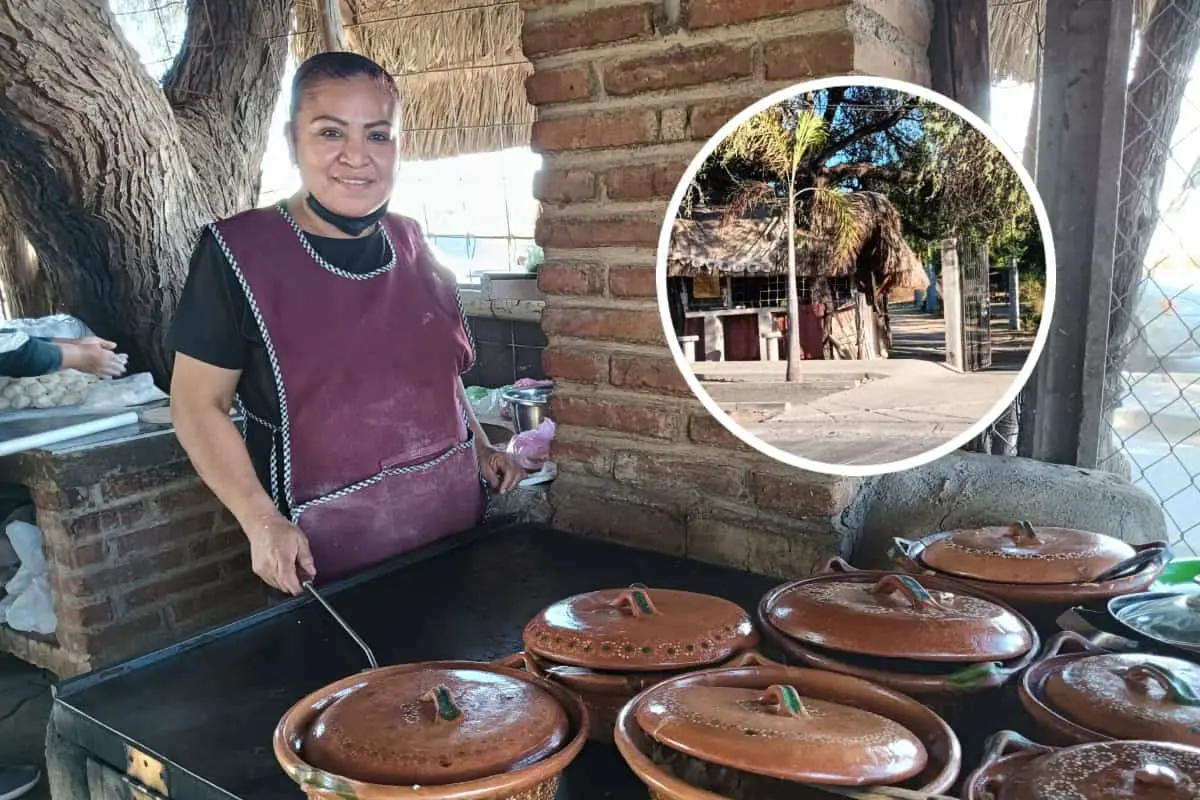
(527, 406)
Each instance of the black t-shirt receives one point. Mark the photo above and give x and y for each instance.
(213, 323)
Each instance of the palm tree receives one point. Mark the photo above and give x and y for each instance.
(780, 139)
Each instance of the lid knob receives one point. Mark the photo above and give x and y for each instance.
(1022, 532)
(909, 587)
(444, 707)
(784, 700)
(1177, 690)
(636, 602)
(1158, 775)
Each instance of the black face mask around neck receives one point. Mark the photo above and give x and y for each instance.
(351, 226)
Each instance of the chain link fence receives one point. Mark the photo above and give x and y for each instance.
(1152, 376)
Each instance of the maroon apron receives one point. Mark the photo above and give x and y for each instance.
(372, 450)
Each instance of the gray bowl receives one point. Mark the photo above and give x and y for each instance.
(527, 406)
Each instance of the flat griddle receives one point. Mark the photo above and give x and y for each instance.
(206, 707)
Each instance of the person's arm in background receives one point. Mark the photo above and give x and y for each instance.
(42, 356)
(210, 353)
(34, 357)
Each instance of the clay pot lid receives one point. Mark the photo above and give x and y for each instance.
(777, 733)
(640, 629)
(1126, 770)
(1173, 618)
(897, 616)
(1024, 553)
(436, 726)
(1130, 696)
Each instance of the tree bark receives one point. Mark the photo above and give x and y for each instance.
(1169, 45)
(112, 176)
(27, 292)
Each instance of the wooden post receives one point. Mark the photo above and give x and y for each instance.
(1084, 77)
(959, 55)
(333, 36)
(952, 302)
(1014, 295)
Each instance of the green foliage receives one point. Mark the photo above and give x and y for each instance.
(942, 175)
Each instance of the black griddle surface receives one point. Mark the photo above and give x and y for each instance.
(210, 709)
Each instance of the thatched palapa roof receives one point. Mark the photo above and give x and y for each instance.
(1015, 30)
(756, 244)
(458, 63)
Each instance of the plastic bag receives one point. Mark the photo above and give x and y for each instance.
(29, 605)
(55, 326)
(135, 390)
(531, 449)
(486, 403)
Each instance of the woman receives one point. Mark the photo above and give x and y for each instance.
(331, 325)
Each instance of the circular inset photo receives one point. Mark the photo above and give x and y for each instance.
(856, 276)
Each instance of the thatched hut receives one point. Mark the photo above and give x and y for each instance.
(727, 280)
(458, 63)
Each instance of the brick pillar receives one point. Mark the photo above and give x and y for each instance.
(626, 93)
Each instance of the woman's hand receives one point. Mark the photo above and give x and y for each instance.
(500, 471)
(279, 553)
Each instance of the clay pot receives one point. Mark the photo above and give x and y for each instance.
(1014, 768)
(929, 637)
(732, 733)
(1079, 693)
(440, 730)
(1041, 571)
(608, 645)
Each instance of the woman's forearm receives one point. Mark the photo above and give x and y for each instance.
(218, 453)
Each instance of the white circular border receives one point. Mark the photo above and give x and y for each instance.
(848, 470)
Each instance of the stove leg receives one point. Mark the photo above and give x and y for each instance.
(66, 764)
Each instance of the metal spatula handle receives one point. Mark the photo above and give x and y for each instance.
(345, 625)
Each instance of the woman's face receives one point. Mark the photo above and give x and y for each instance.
(345, 143)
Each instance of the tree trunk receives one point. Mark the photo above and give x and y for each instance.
(1169, 45)
(27, 291)
(793, 345)
(113, 176)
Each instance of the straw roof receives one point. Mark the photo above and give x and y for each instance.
(756, 244)
(1015, 34)
(462, 70)
(458, 63)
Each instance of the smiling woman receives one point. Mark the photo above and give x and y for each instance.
(328, 321)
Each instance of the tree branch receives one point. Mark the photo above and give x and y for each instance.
(865, 131)
(231, 61)
(840, 172)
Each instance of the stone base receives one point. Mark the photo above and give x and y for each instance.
(965, 490)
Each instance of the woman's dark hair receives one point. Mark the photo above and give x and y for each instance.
(337, 65)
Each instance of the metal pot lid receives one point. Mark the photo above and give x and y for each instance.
(777, 733)
(1130, 696)
(1129, 770)
(435, 727)
(897, 616)
(640, 629)
(1024, 553)
(1174, 619)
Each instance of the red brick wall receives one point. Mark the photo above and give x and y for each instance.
(627, 92)
(141, 553)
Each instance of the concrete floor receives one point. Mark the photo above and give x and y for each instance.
(868, 412)
(24, 709)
